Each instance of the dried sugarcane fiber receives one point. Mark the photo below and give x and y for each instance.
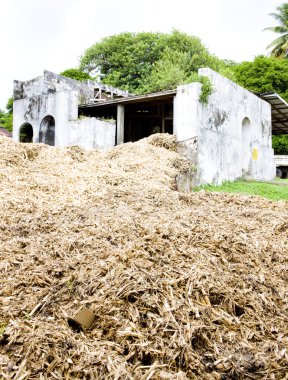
(183, 286)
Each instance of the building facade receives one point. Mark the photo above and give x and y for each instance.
(225, 139)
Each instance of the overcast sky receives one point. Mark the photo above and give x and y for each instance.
(52, 34)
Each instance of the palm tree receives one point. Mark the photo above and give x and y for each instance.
(280, 45)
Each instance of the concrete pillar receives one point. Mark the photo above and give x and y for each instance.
(186, 117)
(120, 124)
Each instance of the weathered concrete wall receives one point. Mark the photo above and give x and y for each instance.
(58, 83)
(28, 89)
(32, 111)
(56, 97)
(187, 109)
(228, 138)
(227, 152)
(66, 111)
(51, 83)
(92, 133)
(185, 126)
(69, 130)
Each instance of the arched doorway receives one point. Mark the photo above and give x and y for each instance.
(26, 133)
(47, 130)
(246, 146)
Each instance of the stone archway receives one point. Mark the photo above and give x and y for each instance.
(26, 133)
(47, 130)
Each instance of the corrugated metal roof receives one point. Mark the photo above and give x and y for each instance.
(132, 99)
(279, 110)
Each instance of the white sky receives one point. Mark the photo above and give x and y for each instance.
(52, 34)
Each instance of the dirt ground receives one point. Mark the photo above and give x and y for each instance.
(183, 286)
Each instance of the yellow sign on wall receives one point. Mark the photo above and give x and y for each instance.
(255, 154)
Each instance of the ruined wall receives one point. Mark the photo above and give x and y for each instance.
(92, 133)
(50, 95)
(51, 103)
(186, 112)
(51, 83)
(32, 110)
(62, 106)
(232, 133)
(57, 83)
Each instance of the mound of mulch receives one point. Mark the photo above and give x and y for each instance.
(183, 286)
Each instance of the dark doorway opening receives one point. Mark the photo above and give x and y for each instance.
(143, 120)
(47, 130)
(26, 133)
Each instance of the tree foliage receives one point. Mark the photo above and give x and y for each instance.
(6, 116)
(264, 74)
(280, 45)
(226, 69)
(76, 74)
(147, 62)
(280, 144)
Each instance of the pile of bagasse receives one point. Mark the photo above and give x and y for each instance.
(183, 286)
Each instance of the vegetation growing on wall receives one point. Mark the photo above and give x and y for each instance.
(207, 87)
(76, 74)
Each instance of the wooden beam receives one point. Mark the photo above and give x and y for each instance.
(163, 119)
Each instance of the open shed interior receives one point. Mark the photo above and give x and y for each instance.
(143, 120)
(143, 116)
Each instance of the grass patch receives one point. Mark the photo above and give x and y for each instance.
(267, 190)
(282, 180)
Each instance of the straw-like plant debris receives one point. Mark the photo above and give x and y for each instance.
(183, 286)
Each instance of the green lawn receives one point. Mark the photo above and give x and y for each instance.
(266, 190)
(282, 180)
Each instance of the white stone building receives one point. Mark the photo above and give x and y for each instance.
(225, 139)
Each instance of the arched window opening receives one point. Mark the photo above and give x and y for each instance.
(26, 133)
(246, 146)
(47, 130)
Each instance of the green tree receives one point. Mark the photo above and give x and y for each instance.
(173, 69)
(6, 116)
(76, 74)
(145, 62)
(167, 72)
(280, 45)
(124, 60)
(280, 144)
(227, 69)
(264, 74)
